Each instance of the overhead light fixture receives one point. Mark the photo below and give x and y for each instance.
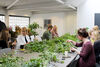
(71, 6)
(68, 5)
(60, 1)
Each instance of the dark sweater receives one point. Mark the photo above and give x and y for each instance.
(87, 56)
(97, 50)
(3, 44)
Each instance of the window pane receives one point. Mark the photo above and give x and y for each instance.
(18, 21)
(2, 18)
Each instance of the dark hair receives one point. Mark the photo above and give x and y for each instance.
(50, 26)
(2, 26)
(4, 35)
(83, 32)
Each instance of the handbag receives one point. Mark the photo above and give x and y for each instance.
(74, 62)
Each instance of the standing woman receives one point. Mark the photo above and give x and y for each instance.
(87, 56)
(22, 39)
(54, 32)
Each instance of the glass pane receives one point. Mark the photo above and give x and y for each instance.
(19, 21)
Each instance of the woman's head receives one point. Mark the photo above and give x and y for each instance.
(82, 33)
(24, 31)
(95, 35)
(18, 29)
(50, 27)
(55, 28)
(96, 28)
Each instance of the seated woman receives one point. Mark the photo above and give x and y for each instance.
(22, 39)
(87, 56)
(4, 39)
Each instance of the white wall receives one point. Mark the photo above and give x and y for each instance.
(86, 12)
(64, 21)
(70, 22)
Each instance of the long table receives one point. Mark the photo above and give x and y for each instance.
(28, 56)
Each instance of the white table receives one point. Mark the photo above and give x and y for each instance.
(28, 56)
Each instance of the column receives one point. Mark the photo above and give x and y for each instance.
(7, 18)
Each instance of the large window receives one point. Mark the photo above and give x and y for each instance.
(18, 21)
(2, 18)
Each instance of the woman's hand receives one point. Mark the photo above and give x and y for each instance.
(71, 41)
(27, 43)
(75, 50)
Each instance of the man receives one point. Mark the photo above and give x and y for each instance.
(47, 34)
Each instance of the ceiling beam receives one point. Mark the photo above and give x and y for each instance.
(39, 5)
(11, 5)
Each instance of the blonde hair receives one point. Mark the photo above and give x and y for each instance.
(96, 32)
(55, 30)
(24, 29)
(96, 35)
(18, 30)
(90, 32)
(96, 28)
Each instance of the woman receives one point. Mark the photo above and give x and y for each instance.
(17, 31)
(87, 56)
(22, 39)
(54, 32)
(30, 35)
(94, 33)
(97, 48)
(4, 39)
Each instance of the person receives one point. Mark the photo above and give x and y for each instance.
(17, 31)
(4, 39)
(93, 37)
(47, 34)
(54, 32)
(97, 51)
(22, 39)
(94, 34)
(30, 35)
(87, 56)
(96, 28)
(2, 26)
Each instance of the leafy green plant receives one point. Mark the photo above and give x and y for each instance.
(58, 45)
(33, 28)
(48, 50)
(10, 61)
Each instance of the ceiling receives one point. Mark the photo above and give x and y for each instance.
(40, 6)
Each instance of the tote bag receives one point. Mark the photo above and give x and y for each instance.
(74, 62)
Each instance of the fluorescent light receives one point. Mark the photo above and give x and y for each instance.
(71, 6)
(60, 1)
